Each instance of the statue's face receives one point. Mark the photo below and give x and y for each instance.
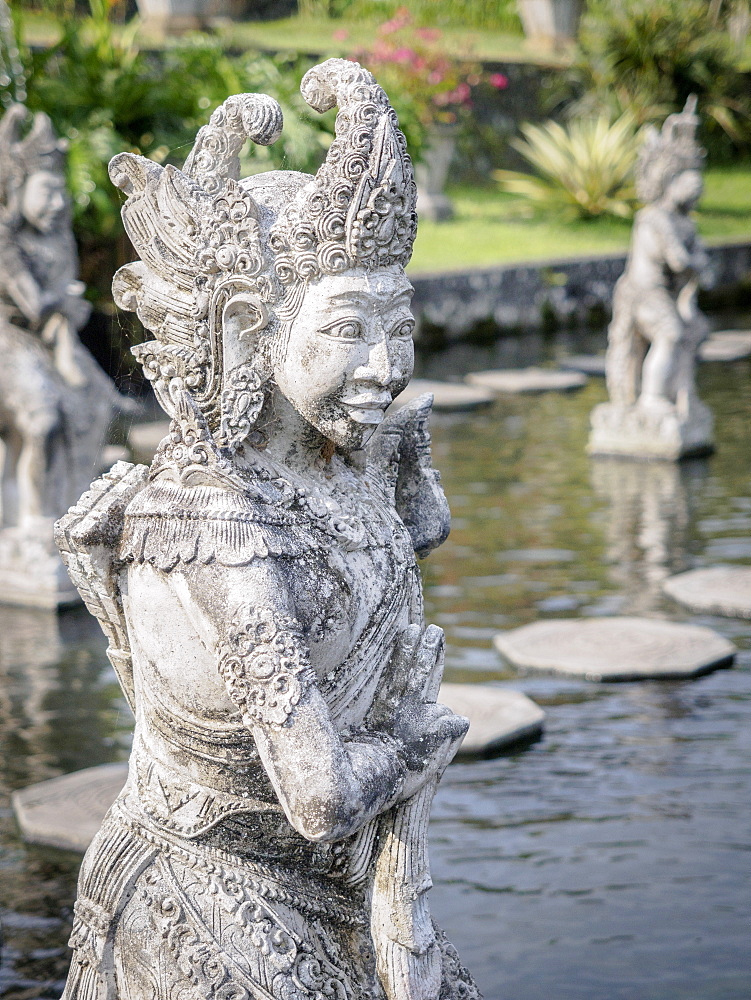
(685, 190)
(45, 201)
(349, 352)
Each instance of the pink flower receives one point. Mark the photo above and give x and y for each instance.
(498, 80)
(428, 34)
(404, 55)
(340, 35)
(435, 78)
(462, 92)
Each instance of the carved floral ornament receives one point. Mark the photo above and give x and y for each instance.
(207, 239)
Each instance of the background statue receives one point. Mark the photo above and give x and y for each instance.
(654, 410)
(55, 401)
(259, 588)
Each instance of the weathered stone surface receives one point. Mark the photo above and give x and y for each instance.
(66, 812)
(590, 364)
(258, 584)
(447, 396)
(527, 380)
(654, 410)
(55, 401)
(616, 649)
(726, 345)
(717, 590)
(497, 717)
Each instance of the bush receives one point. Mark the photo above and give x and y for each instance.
(584, 170)
(105, 95)
(647, 56)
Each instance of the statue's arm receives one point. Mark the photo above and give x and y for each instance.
(18, 282)
(679, 253)
(328, 783)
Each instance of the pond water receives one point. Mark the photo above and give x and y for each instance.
(610, 860)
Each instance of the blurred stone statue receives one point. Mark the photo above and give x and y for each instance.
(654, 410)
(55, 401)
(259, 588)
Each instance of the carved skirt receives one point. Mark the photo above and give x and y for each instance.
(160, 917)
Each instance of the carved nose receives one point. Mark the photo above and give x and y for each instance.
(378, 368)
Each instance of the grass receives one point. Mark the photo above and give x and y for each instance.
(490, 228)
(315, 36)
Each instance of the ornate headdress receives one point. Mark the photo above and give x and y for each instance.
(21, 156)
(668, 153)
(204, 236)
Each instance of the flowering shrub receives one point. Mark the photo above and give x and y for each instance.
(427, 87)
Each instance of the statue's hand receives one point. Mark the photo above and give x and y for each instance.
(429, 733)
(401, 449)
(430, 736)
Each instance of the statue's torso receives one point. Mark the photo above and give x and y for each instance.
(352, 590)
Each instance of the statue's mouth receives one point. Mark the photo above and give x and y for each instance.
(367, 408)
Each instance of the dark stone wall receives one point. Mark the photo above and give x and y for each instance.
(555, 292)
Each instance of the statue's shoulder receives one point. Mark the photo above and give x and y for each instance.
(88, 537)
(169, 523)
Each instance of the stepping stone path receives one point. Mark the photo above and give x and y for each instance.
(616, 649)
(718, 590)
(447, 396)
(727, 345)
(527, 380)
(497, 717)
(66, 812)
(590, 364)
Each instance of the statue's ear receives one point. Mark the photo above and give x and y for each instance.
(243, 316)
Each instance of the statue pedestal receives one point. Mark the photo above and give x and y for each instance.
(32, 573)
(637, 432)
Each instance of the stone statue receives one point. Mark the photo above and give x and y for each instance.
(55, 401)
(258, 583)
(654, 410)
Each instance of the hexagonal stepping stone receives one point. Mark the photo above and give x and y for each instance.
(497, 717)
(717, 590)
(503, 380)
(726, 345)
(590, 364)
(616, 649)
(67, 811)
(447, 396)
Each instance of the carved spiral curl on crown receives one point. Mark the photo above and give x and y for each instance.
(667, 153)
(360, 208)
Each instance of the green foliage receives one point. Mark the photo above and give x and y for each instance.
(106, 95)
(429, 88)
(583, 170)
(647, 56)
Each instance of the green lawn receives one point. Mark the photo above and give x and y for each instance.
(316, 37)
(489, 227)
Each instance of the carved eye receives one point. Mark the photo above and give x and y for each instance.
(346, 329)
(404, 329)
